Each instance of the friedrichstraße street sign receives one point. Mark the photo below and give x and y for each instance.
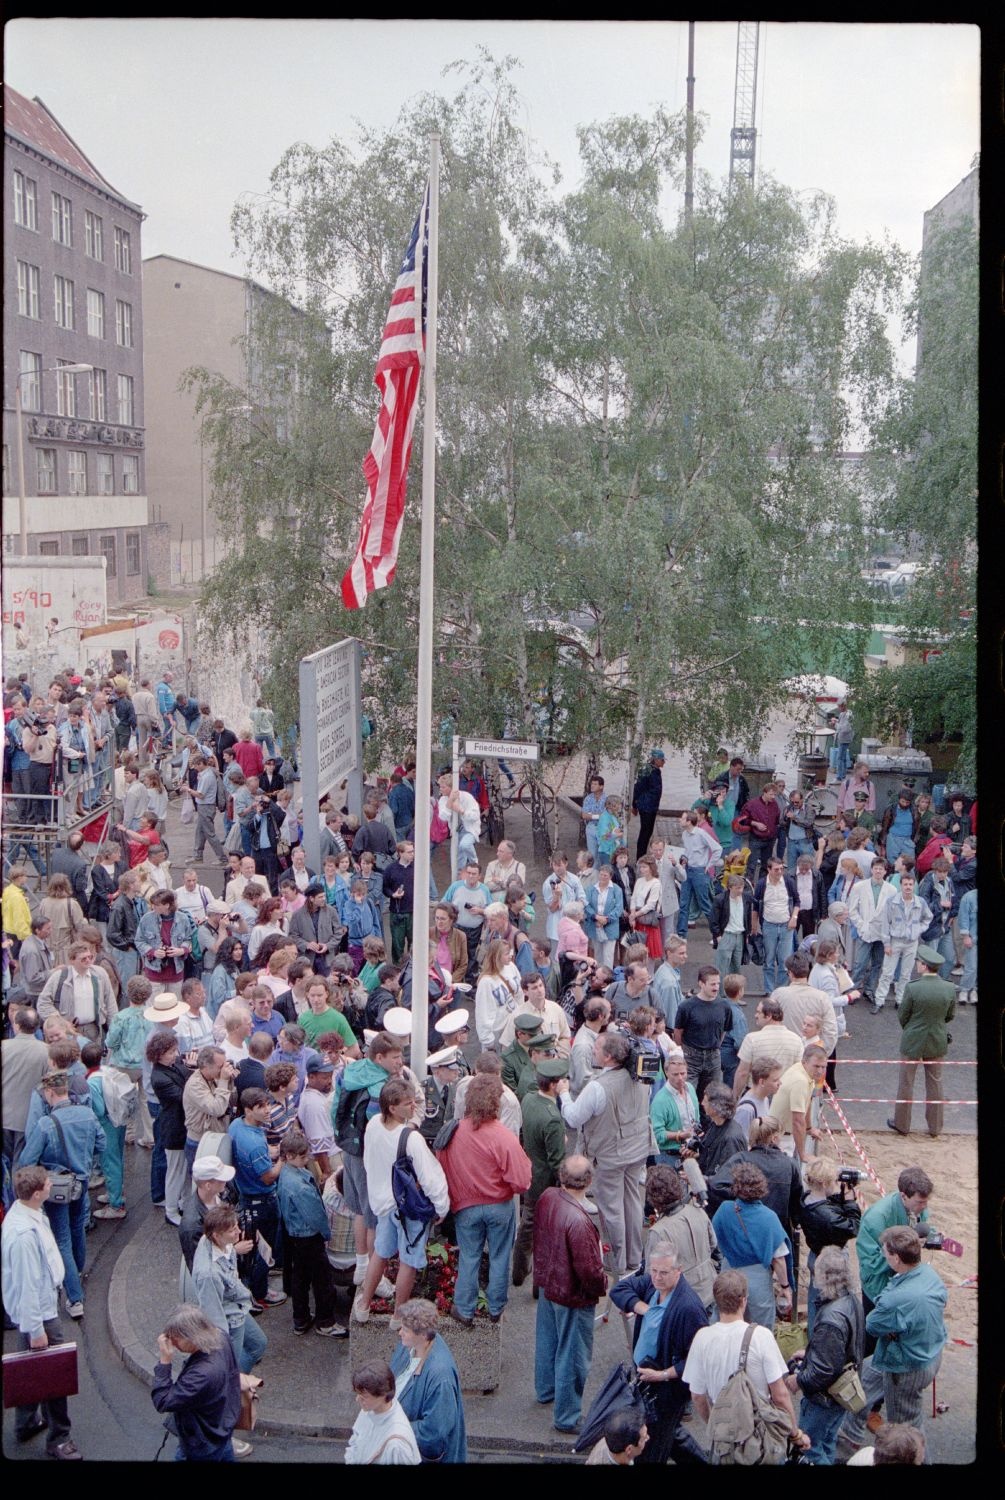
(503, 749)
(331, 746)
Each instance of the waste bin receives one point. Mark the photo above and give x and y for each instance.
(892, 768)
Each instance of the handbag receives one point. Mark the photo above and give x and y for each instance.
(187, 814)
(848, 1390)
(34, 1375)
(647, 919)
(251, 1389)
(755, 946)
(64, 1187)
(233, 843)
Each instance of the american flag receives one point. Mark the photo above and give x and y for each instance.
(397, 377)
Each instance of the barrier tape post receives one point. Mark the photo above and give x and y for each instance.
(829, 1096)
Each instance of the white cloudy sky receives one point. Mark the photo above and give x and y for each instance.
(184, 116)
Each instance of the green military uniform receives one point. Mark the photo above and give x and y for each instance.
(928, 1004)
(518, 1060)
(543, 1139)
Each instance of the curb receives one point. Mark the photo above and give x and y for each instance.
(140, 1361)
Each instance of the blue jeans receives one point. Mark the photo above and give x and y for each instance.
(248, 1343)
(68, 1221)
(968, 980)
(777, 947)
(465, 849)
(222, 1455)
(843, 761)
(729, 953)
(591, 842)
(896, 844)
(795, 845)
(868, 967)
(158, 1157)
(821, 1423)
(268, 745)
(494, 1225)
(695, 884)
(945, 947)
(563, 1347)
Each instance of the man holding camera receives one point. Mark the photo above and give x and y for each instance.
(612, 1113)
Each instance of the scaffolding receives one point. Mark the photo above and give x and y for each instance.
(743, 136)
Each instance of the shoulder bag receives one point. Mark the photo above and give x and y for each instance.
(66, 1186)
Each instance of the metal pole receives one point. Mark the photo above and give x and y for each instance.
(23, 512)
(424, 685)
(455, 818)
(354, 786)
(689, 149)
(202, 489)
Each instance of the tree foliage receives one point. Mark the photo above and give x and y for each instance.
(641, 525)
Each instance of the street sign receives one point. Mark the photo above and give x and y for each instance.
(502, 749)
(331, 746)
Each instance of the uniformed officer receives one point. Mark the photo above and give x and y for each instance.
(518, 1064)
(543, 1139)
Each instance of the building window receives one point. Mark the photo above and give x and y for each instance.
(63, 296)
(31, 381)
(27, 289)
(123, 253)
(48, 549)
(78, 472)
(66, 390)
(95, 313)
(92, 236)
(62, 220)
(125, 395)
(106, 474)
(130, 475)
(132, 553)
(46, 470)
(108, 553)
(97, 394)
(124, 324)
(25, 201)
(78, 546)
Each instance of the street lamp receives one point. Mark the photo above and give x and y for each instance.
(63, 370)
(227, 411)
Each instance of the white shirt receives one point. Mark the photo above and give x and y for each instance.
(314, 1114)
(591, 1101)
(646, 896)
(776, 902)
(235, 1055)
(510, 1113)
(195, 903)
(194, 1032)
(496, 999)
(372, 1430)
(715, 1355)
(83, 998)
(380, 1147)
(735, 923)
(700, 848)
(469, 813)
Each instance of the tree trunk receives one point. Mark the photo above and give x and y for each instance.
(495, 822)
(592, 769)
(539, 824)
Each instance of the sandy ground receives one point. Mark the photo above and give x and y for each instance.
(951, 1163)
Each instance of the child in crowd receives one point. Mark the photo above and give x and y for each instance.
(305, 1232)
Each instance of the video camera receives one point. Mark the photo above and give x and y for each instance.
(644, 1066)
(850, 1175)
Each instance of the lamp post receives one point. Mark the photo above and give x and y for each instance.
(228, 411)
(63, 370)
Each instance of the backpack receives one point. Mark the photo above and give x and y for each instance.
(221, 795)
(410, 1199)
(743, 1427)
(350, 1119)
(122, 1097)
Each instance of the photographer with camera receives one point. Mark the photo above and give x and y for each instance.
(612, 1113)
(722, 1137)
(829, 1214)
(834, 1353)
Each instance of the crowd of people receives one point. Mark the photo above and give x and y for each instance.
(586, 1122)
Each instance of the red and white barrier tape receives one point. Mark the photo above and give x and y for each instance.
(830, 1099)
(849, 1100)
(917, 1060)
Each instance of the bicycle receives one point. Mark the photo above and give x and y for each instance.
(521, 795)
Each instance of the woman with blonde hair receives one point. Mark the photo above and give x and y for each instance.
(59, 907)
(499, 994)
(157, 797)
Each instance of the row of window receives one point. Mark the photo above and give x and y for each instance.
(66, 391)
(26, 214)
(47, 472)
(79, 547)
(28, 305)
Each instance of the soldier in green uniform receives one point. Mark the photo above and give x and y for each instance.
(543, 1139)
(928, 1004)
(517, 1063)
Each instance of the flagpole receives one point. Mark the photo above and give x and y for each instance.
(424, 687)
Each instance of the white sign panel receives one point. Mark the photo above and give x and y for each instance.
(329, 713)
(502, 749)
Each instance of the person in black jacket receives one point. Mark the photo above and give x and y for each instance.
(723, 1136)
(784, 1182)
(168, 1077)
(807, 877)
(205, 1400)
(661, 1369)
(836, 1341)
(829, 1214)
(731, 948)
(646, 795)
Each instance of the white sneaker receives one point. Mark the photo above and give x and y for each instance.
(241, 1448)
(384, 1288)
(360, 1310)
(963, 997)
(973, 997)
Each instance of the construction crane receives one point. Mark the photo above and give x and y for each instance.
(743, 136)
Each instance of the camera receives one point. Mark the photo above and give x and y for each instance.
(849, 1175)
(644, 1066)
(693, 1142)
(933, 1241)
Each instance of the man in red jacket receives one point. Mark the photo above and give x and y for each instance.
(569, 1276)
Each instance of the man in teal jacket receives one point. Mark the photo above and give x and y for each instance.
(907, 1206)
(908, 1323)
(674, 1111)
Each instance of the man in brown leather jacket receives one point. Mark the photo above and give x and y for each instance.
(569, 1280)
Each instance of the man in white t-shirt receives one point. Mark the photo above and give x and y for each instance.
(469, 815)
(191, 897)
(715, 1355)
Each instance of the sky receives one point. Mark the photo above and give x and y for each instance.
(186, 116)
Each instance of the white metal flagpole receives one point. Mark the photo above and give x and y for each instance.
(424, 692)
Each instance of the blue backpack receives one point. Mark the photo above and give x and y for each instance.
(410, 1200)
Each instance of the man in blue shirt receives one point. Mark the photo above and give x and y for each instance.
(166, 702)
(204, 798)
(66, 1140)
(593, 805)
(257, 1170)
(908, 1324)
